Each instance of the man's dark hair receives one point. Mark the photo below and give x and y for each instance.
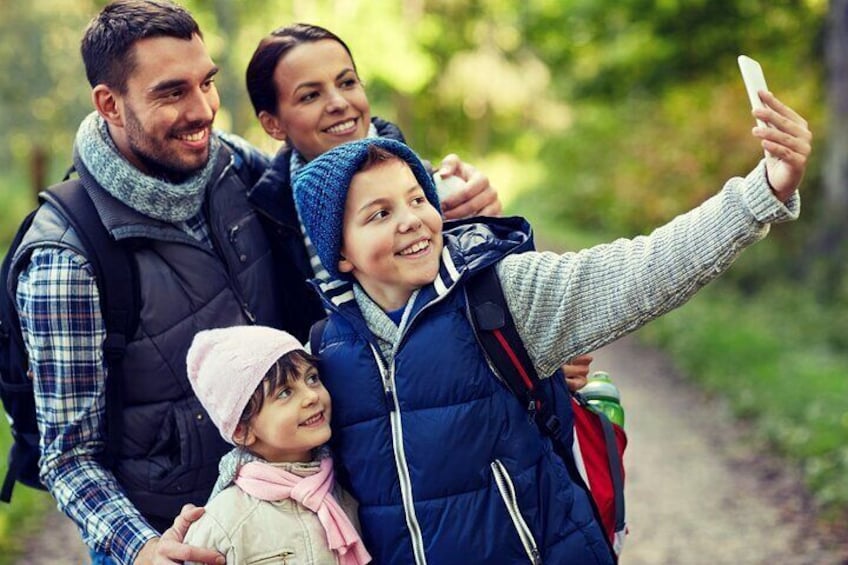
(110, 36)
(270, 51)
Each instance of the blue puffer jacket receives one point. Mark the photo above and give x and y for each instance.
(446, 464)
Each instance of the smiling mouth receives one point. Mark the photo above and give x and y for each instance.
(416, 248)
(312, 420)
(194, 136)
(348, 126)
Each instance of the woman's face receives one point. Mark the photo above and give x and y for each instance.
(320, 101)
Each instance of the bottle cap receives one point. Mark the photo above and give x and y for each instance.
(600, 387)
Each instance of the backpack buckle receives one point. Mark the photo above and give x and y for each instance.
(553, 425)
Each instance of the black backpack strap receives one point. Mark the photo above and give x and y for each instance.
(24, 432)
(495, 330)
(614, 460)
(316, 335)
(118, 288)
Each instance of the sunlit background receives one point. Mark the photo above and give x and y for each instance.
(595, 118)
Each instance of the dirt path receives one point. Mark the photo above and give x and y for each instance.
(695, 495)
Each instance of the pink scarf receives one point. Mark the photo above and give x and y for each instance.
(266, 482)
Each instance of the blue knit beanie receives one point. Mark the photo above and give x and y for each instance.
(320, 190)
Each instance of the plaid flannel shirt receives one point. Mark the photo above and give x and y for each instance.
(63, 329)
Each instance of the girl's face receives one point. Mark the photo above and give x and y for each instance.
(293, 420)
(320, 101)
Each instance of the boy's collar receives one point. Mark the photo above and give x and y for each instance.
(340, 292)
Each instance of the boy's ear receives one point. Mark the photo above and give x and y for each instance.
(243, 435)
(272, 125)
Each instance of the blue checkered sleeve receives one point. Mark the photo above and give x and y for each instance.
(63, 330)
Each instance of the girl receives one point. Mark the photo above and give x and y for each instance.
(263, 392)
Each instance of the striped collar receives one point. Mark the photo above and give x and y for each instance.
(339, 292)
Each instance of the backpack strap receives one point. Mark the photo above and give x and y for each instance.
(495, 330)
(117, 285)
(316, 335)
(614, 458)
(24, 430)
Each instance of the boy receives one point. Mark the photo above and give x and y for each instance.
(446, 465)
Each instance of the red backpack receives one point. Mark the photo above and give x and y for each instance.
(593, 448)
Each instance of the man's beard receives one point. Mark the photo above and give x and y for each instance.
(157, 160)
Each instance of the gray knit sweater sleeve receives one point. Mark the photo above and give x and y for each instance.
(574, 303)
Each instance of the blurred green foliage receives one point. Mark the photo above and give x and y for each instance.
(596, 118)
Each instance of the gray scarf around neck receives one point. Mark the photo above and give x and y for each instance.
(149, 195)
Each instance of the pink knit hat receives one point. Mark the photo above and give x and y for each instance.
(226, 365)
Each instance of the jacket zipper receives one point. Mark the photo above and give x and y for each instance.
(404, 479)
(284, 555)
(397, 437)
(507, 490)
(218, 248)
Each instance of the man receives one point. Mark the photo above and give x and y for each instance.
(160, 176)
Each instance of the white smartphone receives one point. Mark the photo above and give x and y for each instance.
(752, 74)
(447, 186)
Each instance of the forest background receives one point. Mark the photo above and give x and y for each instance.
(595, 119)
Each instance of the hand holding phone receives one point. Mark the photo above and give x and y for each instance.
(755, 81)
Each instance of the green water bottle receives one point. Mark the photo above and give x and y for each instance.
(601, 393)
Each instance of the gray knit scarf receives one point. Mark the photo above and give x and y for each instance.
(149, 195)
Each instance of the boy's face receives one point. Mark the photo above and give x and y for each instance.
(292, 421)
(391, 236)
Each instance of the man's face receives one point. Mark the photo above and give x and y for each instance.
(165, 116)
(392, 235)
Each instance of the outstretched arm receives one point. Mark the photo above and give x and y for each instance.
(574, 302)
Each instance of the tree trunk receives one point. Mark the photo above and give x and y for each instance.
(836, 159)
(38, 161)
(829, 244)
(231, 86)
